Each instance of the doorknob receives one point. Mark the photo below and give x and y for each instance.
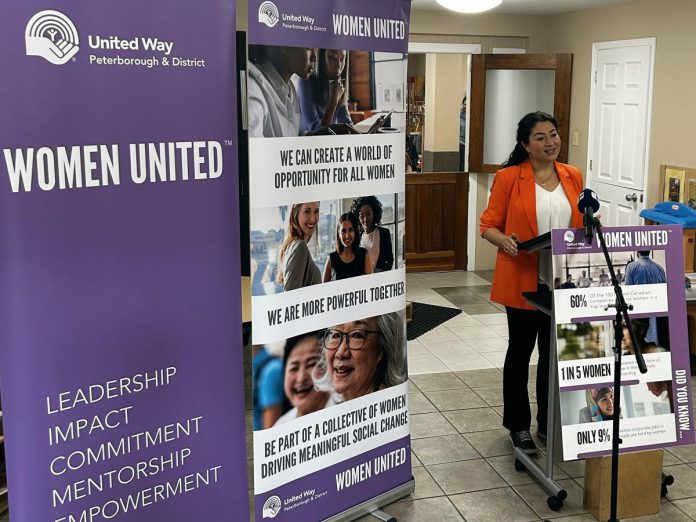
(632, 197)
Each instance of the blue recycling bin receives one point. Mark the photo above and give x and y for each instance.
(671, 213)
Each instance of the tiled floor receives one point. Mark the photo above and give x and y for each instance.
(474, 340)
(462, 458)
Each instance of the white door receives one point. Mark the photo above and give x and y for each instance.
(620, 106)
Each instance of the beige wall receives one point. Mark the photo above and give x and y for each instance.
(500, 26)
(446, 78)
(671, 22)
(242, 10)
(485, 252)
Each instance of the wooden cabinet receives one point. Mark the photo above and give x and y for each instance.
(436, 221)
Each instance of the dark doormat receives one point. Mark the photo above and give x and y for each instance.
(426, 317)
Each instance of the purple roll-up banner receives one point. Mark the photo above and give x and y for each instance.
(120, 323)
(656, 407)
(327, 122)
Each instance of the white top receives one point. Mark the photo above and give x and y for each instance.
(370, 242)
(553, 211)
(274, 109)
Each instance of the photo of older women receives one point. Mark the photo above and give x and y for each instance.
(324, 95)
(297, 269)
(273, 105)
(363, 356)
(375, 239)
(349, 259)
(301, 356)
(532, 194)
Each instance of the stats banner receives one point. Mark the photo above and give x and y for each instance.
(120, 321)
(326, 86)
(656, 407)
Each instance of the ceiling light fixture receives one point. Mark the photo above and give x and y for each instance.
(469, 6)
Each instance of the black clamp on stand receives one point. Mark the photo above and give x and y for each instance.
(543, 301)
(622, 319)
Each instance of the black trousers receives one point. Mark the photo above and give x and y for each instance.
(523, 328)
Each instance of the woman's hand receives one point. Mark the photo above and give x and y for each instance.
(508, 244)
(336, 90)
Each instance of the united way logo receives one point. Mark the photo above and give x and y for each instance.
(268, 14)
(271, 507)
(53, 36)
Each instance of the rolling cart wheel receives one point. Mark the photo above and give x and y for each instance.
(667, 480)
(554, 503)
(519, 466)
(562, 495)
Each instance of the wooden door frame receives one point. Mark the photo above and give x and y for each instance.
(480, 63)
(597, 46)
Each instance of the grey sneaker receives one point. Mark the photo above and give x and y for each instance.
(523, 440)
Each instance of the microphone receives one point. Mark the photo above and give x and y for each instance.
(588, 204)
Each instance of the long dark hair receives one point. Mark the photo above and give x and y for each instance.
(524, 130)
(320, 80)
(348, 216)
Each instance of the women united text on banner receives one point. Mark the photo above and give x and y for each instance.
(656, 407)
(326, 113)
(121, 369)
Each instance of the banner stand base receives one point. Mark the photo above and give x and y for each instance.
(384, 517)
(373, 505)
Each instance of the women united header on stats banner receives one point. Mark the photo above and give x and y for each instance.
(327, 181)
(656, 407)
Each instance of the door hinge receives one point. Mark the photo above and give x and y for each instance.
(590, 164)
(595, 76)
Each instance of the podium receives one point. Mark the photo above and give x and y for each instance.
(543, 301)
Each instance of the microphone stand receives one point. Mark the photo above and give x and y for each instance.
(621, 318)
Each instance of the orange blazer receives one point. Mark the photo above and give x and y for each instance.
(512, 208)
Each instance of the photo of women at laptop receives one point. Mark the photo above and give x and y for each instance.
(304, 91)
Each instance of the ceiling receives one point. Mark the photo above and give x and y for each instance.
(536, 7)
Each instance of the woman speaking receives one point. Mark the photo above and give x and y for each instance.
(531, 194)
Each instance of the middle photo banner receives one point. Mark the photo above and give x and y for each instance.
(326, 112)
(326, 183)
